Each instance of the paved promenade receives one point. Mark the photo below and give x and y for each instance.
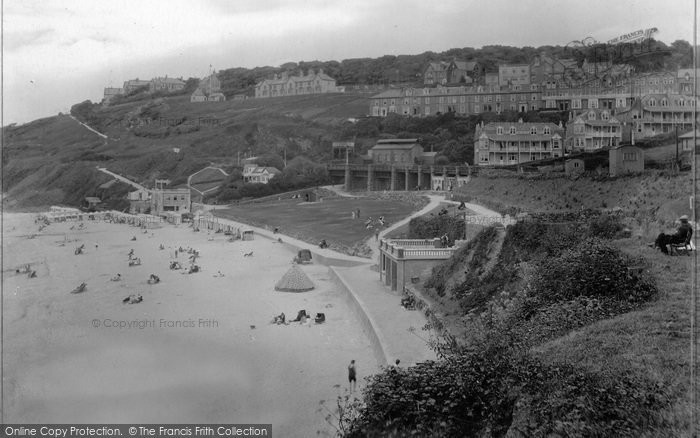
(397, 330)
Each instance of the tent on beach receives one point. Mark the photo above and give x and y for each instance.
(295, 280)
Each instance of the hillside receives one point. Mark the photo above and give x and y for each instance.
(51, 160)
(651, 201)
(561, 327)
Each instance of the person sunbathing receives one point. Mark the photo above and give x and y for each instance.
(153, 279)
(79, 289)
(133, 299)
(117, 277)
(280, 319)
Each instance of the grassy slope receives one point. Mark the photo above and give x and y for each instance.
(38, 155)
(654, 200)
(653, 341)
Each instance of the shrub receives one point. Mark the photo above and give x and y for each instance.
(591, 269)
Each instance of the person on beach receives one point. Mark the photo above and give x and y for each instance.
(352, 378)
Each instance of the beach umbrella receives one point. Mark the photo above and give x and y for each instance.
(295, 280)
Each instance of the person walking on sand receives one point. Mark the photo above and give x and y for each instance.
(352, 378)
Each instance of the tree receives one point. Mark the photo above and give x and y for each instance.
(270, 160)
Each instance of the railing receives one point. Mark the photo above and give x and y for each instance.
(436, 253)
(410, 243)
(403, 249)
(462, 170)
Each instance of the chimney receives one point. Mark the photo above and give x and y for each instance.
(560, 125)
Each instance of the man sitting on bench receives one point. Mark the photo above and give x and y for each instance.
(682, 236)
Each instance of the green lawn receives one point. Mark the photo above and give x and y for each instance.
(330, 219)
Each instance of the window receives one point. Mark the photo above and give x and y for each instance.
(605, 115)
(591, 115)
(427, 100)
(629, 156)
(476, 108)
(664, 102)
(499, 130)
(476, 98)
(462, 99)
(652, 102)
(592, 103)
(533, 130)
(576, 103)
(498, 98)
(512, 130)
(546, 130)
(489, 98)
(512, 97)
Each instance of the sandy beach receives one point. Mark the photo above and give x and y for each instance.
(188, 352)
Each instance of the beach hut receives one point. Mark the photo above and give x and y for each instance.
(247, 235)
(295, 280)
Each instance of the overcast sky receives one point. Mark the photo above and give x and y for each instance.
(58, 53)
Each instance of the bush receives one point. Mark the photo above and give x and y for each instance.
(493, 389)
(594, 269)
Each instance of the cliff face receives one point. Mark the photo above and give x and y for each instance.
(53, 160)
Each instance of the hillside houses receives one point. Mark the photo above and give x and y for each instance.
(505, 143)
(162, 84)
(286, 85)
(166, 84)
(252, 173)
(591, 130)
(208, 90)
(453, 72)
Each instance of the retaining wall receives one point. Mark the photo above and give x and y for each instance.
(368, 325)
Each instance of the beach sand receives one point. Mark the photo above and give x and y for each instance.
(65, 358)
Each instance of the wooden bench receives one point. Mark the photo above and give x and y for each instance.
(682, 248)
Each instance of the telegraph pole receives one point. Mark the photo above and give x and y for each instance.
(693, 293)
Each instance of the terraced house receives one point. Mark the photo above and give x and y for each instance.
(505, 143)
(463, 100)
(285, 85)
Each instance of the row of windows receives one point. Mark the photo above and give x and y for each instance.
(664, 102)
(462, 99)
(462, 109)
(546, 130)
